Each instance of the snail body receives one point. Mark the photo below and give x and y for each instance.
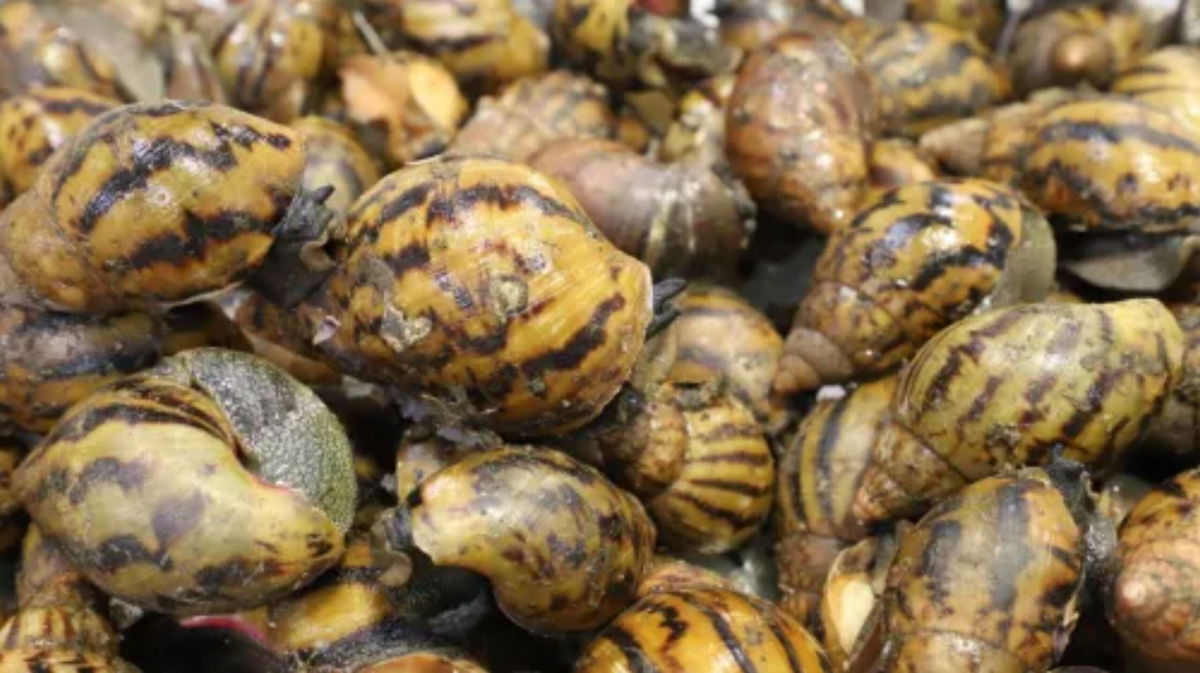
(528, 322)
(142, 487)
(802, 156)
(914, 261)
(1083, 377)
(954, 601)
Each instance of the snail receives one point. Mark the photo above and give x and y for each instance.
(681, 219)
(533, 112)
(895, 162)
(1073, 45)
(188, 69)
(797, 126)
(157, 204)
(38, 52)
(1165, 79)
(915, 260)
(333, 157)
(210, 483)
(481, 285)
(1016, 386)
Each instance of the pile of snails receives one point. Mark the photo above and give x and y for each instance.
(599, 336)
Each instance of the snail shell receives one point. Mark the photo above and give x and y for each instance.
(35, 124)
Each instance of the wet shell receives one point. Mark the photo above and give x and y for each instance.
(1177, 428)
(1167, 79)
(35, 53)
(1113, 164)
(681, 219)
(35, 124)
(188, 69)
(1006, 387)
(533, 112)
(957, 601)
(721, 336)
(151, 204)
(702, 629)
(485, 43)
(698, 131)
(1071, 46)
(421, 454)
(143, 485)
(1154, 593)
(911, 263)
(563, 547)
(271, 56)
(406, 106)
(981, 18)
(483, 283)
(927, 74)
(820, 472)
(802, 156)
(752, 24)
(895, 162)
(333, 157)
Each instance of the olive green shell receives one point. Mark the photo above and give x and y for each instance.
(702, 629)
(796, 131)
(482, 283)
(911, 263)
(49, 361)
(211, 483)
(1113, 164)
(534, 111)
(927, 74)
(1167, 79)
(33, 125)
(1155, 591)
(1008, 387)
(563, 548)
(270, 57)
(986, 581)
(820, 472)
(151, 204)
(334, 158)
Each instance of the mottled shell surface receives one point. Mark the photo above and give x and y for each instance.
(981, 18)
(178, 490)
(595, 33)
(797, 128)
(33, 125)
(721, 336)
(1177, 428)
(35, 53)
(564, 549)
(1155, 591)
(1006, 387)
(895, 162)
(702, 629)
(927, 74)
(482, 282)
(1114, 164)
(957, 600)
(1167, 79)
(333, 157)
(151, 204)
(49, 361)
(533, 112)
(912, 262)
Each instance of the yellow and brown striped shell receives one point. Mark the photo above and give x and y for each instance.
(752, 24)
(912, 262)
(272, 54)
(36, 52)
(981, 18)
(986, 581)
(702, 629)
(895, 162)
(820, 472)
(1074, 45)
(563, 548)
(1176, 429)
(533, 112)
(178, 489)
(333, 157)
(49, 361)
(1154, 591)
(797, 128)
(927, 74)
(1167, 79)
(1008, 387)
(406, 106)
(697, 132)
(721, 336)
(485, 43)
(188, 69)
(1112, 163)
(34, 124)
(483, 282)
(151, 204)
(681, 219)
(621, 44)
